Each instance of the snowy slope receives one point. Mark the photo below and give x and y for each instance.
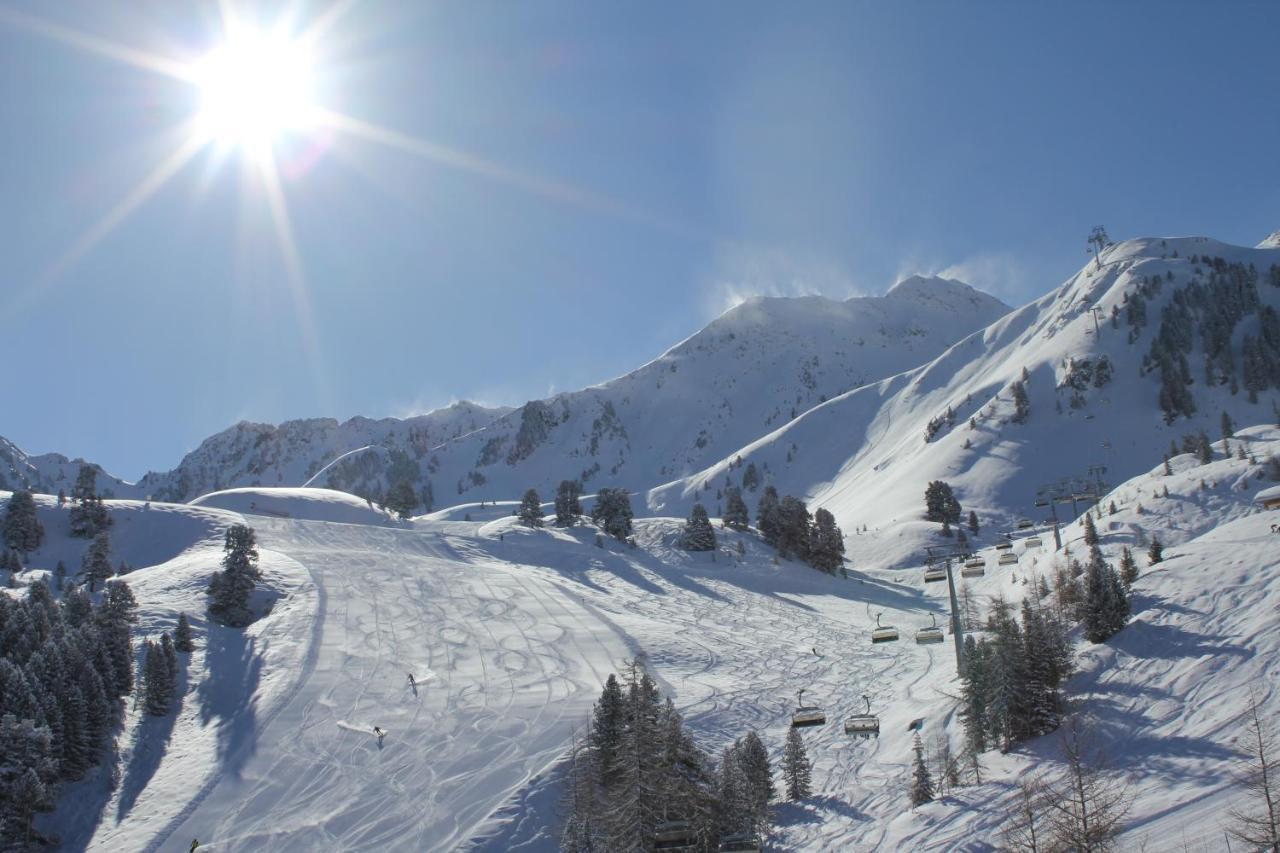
(304, 504)
(864, 455)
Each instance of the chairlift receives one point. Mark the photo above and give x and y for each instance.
(1041, 502)
(863, 725)
(1008, 558)
(933, 574)
(1004, 546)
(974, 568)
(674, 835)
(1033, 542)
(1024, 523)
(806, 715)
(883, 633)
(925, 636)
(740, 842)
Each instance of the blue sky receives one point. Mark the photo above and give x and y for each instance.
(647, 165)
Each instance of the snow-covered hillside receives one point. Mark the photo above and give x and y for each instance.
(864, 455)
(47, 473)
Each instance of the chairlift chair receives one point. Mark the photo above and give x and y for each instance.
(1024, 523)
(740, 842)
(933, 574)
(883, 633)
(1004, 546)
(1008, 558)
(933, 634)
(863, 725)
(974, 568)
(1033, 542)
(674, 835)
(807, 715)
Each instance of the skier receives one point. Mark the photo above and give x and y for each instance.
(412, 683)
(379, 732)
(195, 842)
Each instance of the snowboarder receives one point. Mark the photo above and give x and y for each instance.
(379, 732)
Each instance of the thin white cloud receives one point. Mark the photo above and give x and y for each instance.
(1000, 274)
(745, 272)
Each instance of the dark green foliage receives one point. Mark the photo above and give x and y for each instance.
(940, 503)
(793, 528)
(1156, 552)
(1106, 600)
(973, 522)
(826, 542)
(1021, 403)
(698, 534)
(612, 511)
(1128, 567)
(401, 499)
(568, 505)
(22, 528)
(735, 510)
(530, 512)
(230, 589)
(1090, 532)
(182, 640)
(751, 477)
(96, 565)
(921, 778)
(795, 767)
(88, 514)
(767, 516)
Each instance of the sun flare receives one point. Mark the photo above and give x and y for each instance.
(254, 88)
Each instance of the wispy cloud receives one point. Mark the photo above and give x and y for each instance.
(1001, 274)
(743, 272)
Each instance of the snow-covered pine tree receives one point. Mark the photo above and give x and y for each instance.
(698, 534)
(579, 803)
(114, 616)
(633, 807)
(1021, 403)
(88, 514)
(182, 640)
(754, 760)
(733, 794)
(155, 680)
(568, 506)
(826, 542)
(921, 778)
(940, 503)
(973, 522)
(96, 565)
(735, 510)
(530, 512)
(230, 589)
(22, 528)
(605, 735)
(795, 767)
(767, 521)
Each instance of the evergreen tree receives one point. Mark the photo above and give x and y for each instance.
(1156, 552)
(1228, 428)
(1090, 532)
(698, 534)
(751, 478)
(568, 506)
(88, 514)
(975, 688)
(940, 503)
(530, 512)
(826, 542)
(1021, 404)
(22, 528)
(580, 804)
(182, 640)
(605, 735)
(735, 510)
(753, 759)
(1204, 450)
(230, 589)
(1128, 567)
(1106, 602)
(973, 522)
(921, 779)
(767, 521)
(612, 511)
(793, 528)
(401, 499)
(157, 687)
(113, 617)
(795, 767)
(96, 565)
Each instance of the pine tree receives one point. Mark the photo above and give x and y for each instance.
(530, 512)
(96, 565)
(1128, 567)
(157, 688)
(1106, 602)
(826, 542)
(401, 499)
(753, 758)
(698, 534)
(751, 478)
(113, 617)
(568, 507)
(230, 589)
(182, 640)
(940, 503)
(612, 511)
(973, 522)
(921, 778)
(88, 514)
(605, 735)
(22, 528)
(793, 528)
(767, 521)
(735, 510)
(1204, 450)
(1021, 403)
(579, 803)
(795, 767)
(1156, 552)
(1090, 532)
(1228, 427)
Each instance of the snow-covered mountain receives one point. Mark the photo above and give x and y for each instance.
(49, 472)
(1090, 351)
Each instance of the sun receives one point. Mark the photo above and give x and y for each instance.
(254, 88)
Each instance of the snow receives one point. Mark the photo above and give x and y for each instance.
(301, 503)
(1269, 494)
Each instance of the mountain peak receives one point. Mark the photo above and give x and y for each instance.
(1272, 241)
(924, 289)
